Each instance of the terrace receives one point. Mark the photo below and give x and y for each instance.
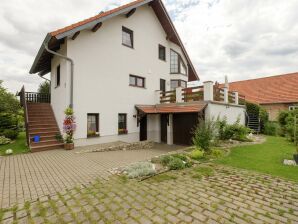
(207, 92)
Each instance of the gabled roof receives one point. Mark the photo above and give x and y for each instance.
(172, 108)
(42, 62)
(269, 90)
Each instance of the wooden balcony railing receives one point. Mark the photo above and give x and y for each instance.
(193, 94)
(218, 94)
(38, 97)
(241, 99)
(23, 102)
(168, 97)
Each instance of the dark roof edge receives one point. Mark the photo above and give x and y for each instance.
(178, 37)
(40, 52)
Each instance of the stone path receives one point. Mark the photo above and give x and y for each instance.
(31, 176)
(205, 194)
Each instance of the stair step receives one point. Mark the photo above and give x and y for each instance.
(43, 129)
(46, 147)
(45, 142)
(43, 133)
(45, 137)
(45, 125)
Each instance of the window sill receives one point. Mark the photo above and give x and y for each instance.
(162, 60)
(56, 87)
(122, 133)
(173, 73)
(128, 46)
(137, 86)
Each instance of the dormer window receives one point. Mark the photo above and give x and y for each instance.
(177, 64)
(127, 37)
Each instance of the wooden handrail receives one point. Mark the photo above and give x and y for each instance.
(24, 105)
(37, 97)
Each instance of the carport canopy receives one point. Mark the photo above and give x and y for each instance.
(172, 108)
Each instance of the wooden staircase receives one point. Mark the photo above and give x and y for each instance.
(42, 122)
(39, 121)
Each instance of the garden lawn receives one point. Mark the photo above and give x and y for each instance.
(266, 158)
(18, 146)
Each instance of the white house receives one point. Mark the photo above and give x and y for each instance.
(125, 73)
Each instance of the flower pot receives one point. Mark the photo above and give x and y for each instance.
(69, 146)
(296, 158)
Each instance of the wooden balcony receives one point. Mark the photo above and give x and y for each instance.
(198, 93)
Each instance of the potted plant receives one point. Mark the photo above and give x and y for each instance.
(69, 127)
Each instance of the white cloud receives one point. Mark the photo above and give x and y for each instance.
(243, 39)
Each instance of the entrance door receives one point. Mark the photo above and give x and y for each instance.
(143, 128)
(183, 128)
(163, 128)
(162, 85)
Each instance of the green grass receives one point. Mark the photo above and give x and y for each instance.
(18, 146)
(266, 158)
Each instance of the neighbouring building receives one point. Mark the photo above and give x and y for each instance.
(274, 93)
(125, 73)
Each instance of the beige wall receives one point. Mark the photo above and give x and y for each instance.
(274, 109)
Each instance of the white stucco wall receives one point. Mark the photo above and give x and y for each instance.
(101, 77)
(60, 94)
(229, 111)
(153, 127)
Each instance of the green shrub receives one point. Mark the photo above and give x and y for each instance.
(140, 169)
(271, 128)
(180, 156)
(8, 121)
(11, 134)
(204, 135)
(286, 120)
(176, 164)
(197, 154)
(235, 131)
(165, 160)
(4, 140)
(217, 153)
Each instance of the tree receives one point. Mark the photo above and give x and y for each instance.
(10, 111)
(44, 88)
(8, 102)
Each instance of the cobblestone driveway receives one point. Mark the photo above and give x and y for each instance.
(227, 196)
(30, 176)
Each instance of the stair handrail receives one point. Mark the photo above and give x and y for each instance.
(24, 105)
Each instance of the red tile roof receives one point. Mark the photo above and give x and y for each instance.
(274, 89)
(172, 108)
(68, 28)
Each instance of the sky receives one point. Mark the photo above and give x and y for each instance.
(242, 39)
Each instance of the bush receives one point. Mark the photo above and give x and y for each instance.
(11, 134)
(204, 135)
(4, 141)
(235, 131)
(271, 128)
(217, 153)
(140, 169)
(286, 120)
(8, 121)
(165, 160)
(176, 164)
(197, 154)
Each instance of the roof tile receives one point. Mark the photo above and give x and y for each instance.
(274, 89)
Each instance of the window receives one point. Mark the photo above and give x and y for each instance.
(178, 83)
(127, 37)
(122, 124)
(162, 85)
(58, 76)
(161, 52)
(136, 81)
(293, 108)
(176, 64)
(92, 125)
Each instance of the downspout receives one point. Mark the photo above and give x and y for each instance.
(71, 71)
